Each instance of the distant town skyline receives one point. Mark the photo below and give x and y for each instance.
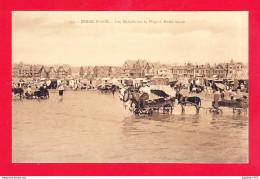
(175, 64)
(133, 69)
(97, 37)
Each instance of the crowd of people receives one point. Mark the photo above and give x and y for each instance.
(225, 91)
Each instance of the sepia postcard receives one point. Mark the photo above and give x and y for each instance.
(130, 87)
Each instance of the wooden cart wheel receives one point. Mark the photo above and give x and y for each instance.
(167, 108)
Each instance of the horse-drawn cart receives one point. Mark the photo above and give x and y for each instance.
(152, 106)
(239, 105)
(143, 103)
(107, 88)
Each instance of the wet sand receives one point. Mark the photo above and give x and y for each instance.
(89, 127)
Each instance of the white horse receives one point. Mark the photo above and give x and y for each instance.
(122, 93)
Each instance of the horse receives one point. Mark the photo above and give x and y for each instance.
(129, 102)
(183, 100)
(199, 89)
(18, 91)
(28, 96)
(42, 93)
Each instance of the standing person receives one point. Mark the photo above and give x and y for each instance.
(206, 91)
(210, 89)
(194, 88)
(216, 98)
(238, 96)
(121, 93)
(45, 91)
(113, 90)
(191, 86)
(61, 89)
(28, 92)
(180, 87)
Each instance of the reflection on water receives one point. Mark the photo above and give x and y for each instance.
(87, 126)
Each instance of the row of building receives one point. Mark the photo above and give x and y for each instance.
(134, 69)
(39, 71)
(142, 68)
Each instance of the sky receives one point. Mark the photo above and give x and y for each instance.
(81, 38)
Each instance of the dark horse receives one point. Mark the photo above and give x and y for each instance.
(183, 100)
(104, 89)
(18, 91)
(42, 93)
(199, 89)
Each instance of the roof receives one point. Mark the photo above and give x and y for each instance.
(47, 69)
(239, 63)
(220, 65)
(142, 63)
(43, 67)
(200, 66)
(179, 67)
(60, 67)
(169, 67)
(51, 68)
(37, 66)
(135, 63)
(129, 63)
